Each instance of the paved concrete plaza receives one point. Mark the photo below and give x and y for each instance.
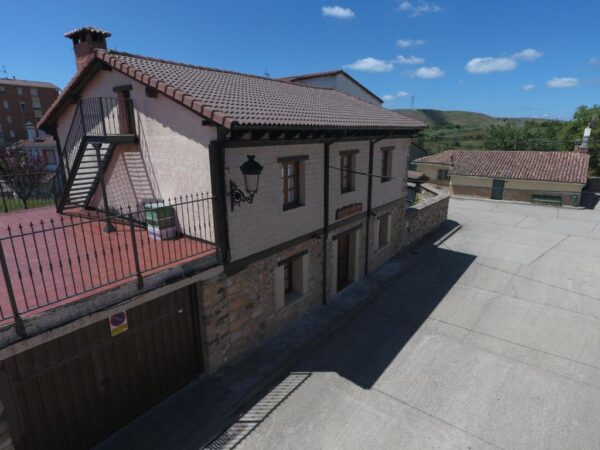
(491, 341)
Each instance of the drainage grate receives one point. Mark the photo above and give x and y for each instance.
(247, 423)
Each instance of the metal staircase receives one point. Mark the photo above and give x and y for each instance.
(98, 126)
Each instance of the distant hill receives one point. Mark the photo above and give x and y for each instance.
(436, 117)
(442, 118)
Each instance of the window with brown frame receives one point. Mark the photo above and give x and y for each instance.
(288, 278)
(386, 165)
(290, 172)
(347, 172)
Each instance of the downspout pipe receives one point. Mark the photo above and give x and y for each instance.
(326, 145)
(218, 182)
(372, 143)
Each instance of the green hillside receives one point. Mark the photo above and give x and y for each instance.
(436, 117)
(456, 129)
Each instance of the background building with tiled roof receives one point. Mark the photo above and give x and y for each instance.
(530, 176)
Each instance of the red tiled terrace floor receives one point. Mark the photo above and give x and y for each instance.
(49, 268)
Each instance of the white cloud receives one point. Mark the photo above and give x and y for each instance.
(489, 64)
(428, 73)
(529, 87)
(410, 60)
(337, 12)
(595, 61)
(406, 43)
(565, 82)
(419, 7)
(528, 54)
(371, 65)
(390, 97)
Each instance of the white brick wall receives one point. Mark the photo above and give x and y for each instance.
(171, 158)
(264, 224)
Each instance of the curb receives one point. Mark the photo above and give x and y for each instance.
(513, 202)
(264, 386)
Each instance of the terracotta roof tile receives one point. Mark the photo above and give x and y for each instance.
(231, 98)
(564, 167)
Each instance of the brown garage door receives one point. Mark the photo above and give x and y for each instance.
(73, 391)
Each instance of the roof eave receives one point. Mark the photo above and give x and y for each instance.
(76, 83)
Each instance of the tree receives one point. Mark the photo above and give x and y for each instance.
(572, 133)
(529, 136)
(22, 171)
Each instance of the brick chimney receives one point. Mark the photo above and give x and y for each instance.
(85, 41)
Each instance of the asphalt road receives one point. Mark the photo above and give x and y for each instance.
(491, 341)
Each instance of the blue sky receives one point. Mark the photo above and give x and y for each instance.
(460, 55)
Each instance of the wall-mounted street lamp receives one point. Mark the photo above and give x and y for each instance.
(251, 171)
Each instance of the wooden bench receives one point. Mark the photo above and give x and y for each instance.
(546, 199)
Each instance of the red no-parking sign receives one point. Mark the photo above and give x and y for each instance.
(118, 323)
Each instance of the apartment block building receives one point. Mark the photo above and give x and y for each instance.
(22, 102)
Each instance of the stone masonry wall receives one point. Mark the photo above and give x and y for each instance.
(472, 190)
(239, 311)
(518, 195)
(525, 196)
(426, 216)
(379, 255)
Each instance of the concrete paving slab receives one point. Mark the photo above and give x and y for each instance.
(487, 246)
(560, 332)
(465, 203)
(512, 234)
(589, 215)
(353, 418)
(557, 260)
(475, 215)
(579, 246)
(504, 401)
(561, 226)
(528, 210)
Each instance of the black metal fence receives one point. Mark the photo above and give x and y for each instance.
(26, 190)
(66, 257)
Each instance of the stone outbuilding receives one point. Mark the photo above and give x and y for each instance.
(528, 176)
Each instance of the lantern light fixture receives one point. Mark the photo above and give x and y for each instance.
(251, 171)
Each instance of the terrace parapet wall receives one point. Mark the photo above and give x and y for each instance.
(427, 215)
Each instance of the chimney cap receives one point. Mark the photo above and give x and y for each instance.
(83, 30)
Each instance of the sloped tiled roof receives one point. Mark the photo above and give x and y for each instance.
(563, 167)
(231, 98)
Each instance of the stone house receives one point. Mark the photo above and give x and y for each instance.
(308, 188)
(528, 176)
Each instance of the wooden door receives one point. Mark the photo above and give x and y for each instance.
(125, 113)
(72, 392)
(498, 189)
(343, 262)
